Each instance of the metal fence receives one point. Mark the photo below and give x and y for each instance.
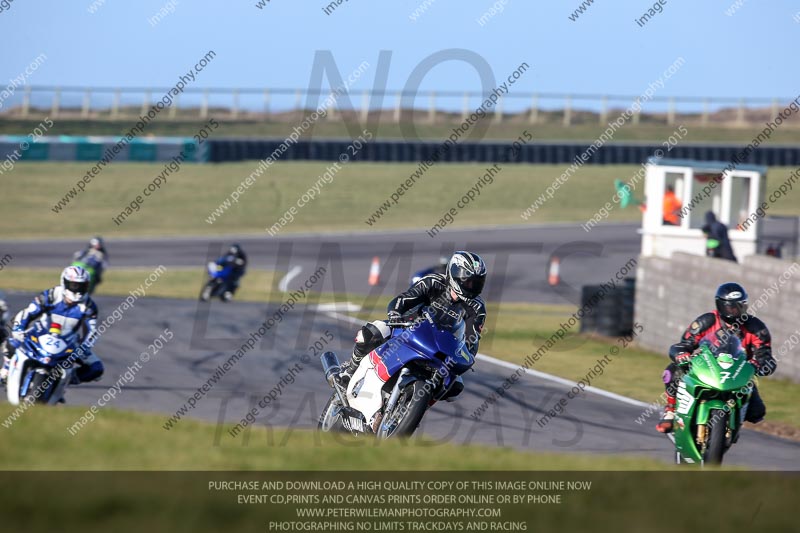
(87, 103)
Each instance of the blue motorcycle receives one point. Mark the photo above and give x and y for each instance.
(395, 384)
(41, 368)
(221, 282)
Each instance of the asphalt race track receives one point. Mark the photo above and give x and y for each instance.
(518, 257)
(207, 335)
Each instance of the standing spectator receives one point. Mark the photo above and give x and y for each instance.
(717, 242)
(672, 207)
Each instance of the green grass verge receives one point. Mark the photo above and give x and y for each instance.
(122, 440)
(645, 131)
(182, 205)
(256, 286)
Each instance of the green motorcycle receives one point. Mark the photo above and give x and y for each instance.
(712, 400)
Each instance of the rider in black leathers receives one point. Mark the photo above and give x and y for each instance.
(458, 288)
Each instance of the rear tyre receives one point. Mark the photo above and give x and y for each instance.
(408, 412)
(715, 448)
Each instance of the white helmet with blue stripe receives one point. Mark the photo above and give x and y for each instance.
(75, 283)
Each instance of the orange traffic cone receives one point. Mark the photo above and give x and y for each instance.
(375, 271)
(553, 277)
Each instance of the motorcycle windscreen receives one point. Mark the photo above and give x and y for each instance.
(721, 363)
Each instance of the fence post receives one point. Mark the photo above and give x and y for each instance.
(204, 104)
(145, 102)
(637, 112)
(365, 106)
(498, 111)
(173, 108)
(56, 102)
(465, 106)
(534, 117)
(235, 108)
(87, 101)
(398, 108)
(704, 116)
(26, 101)
(671, 111)
(432, 108)
(115, 103)
(604, 110)
(567, 110)
(740, 113)
(266, 103)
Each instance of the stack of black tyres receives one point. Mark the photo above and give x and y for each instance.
(612, 315)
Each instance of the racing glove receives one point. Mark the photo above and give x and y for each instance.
(18, 333)
(683, 358)
(394, 316)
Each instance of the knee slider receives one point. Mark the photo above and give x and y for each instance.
(372, 335)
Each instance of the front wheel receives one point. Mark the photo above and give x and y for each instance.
(330, 420)
(205, 295)
(407, 412)
(715, 446)
(35, 392)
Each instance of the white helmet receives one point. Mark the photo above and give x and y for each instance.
(75, 283)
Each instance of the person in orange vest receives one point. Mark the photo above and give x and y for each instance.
(672, 207)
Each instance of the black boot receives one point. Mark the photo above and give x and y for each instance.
(348, 368)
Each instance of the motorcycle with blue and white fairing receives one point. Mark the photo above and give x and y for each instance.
(41, 368)
(395, 385)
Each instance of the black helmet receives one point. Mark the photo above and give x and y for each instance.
(731, 299)
(234, 249)
(466, 274)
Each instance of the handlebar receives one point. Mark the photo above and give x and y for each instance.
(392, 324)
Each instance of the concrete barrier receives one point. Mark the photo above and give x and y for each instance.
(671, 293)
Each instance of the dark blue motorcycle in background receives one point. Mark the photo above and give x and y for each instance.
(395, 384)
(221, 282)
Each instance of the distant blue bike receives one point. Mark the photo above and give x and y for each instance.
(395, 385)
(221, 282)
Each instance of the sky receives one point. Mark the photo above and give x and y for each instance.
(748, 53)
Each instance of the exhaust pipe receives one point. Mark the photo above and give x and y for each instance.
(331, 367)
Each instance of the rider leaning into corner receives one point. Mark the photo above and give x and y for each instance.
(458, 289)
(68, 310)
(730, 318)
(238, 260)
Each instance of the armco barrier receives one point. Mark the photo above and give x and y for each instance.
(68, 148)
(399, 151)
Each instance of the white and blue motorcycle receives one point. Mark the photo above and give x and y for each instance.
(41, 368)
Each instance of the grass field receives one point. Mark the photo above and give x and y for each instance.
(122, 440)
(550, 131)
(182, 205)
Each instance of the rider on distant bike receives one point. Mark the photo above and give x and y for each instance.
(458, 288)
(69, 311)
(730, 318)
(93, 259)
(238, 261)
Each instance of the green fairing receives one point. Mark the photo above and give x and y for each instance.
(705, 378)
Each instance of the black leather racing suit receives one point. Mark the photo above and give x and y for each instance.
(431, 290)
